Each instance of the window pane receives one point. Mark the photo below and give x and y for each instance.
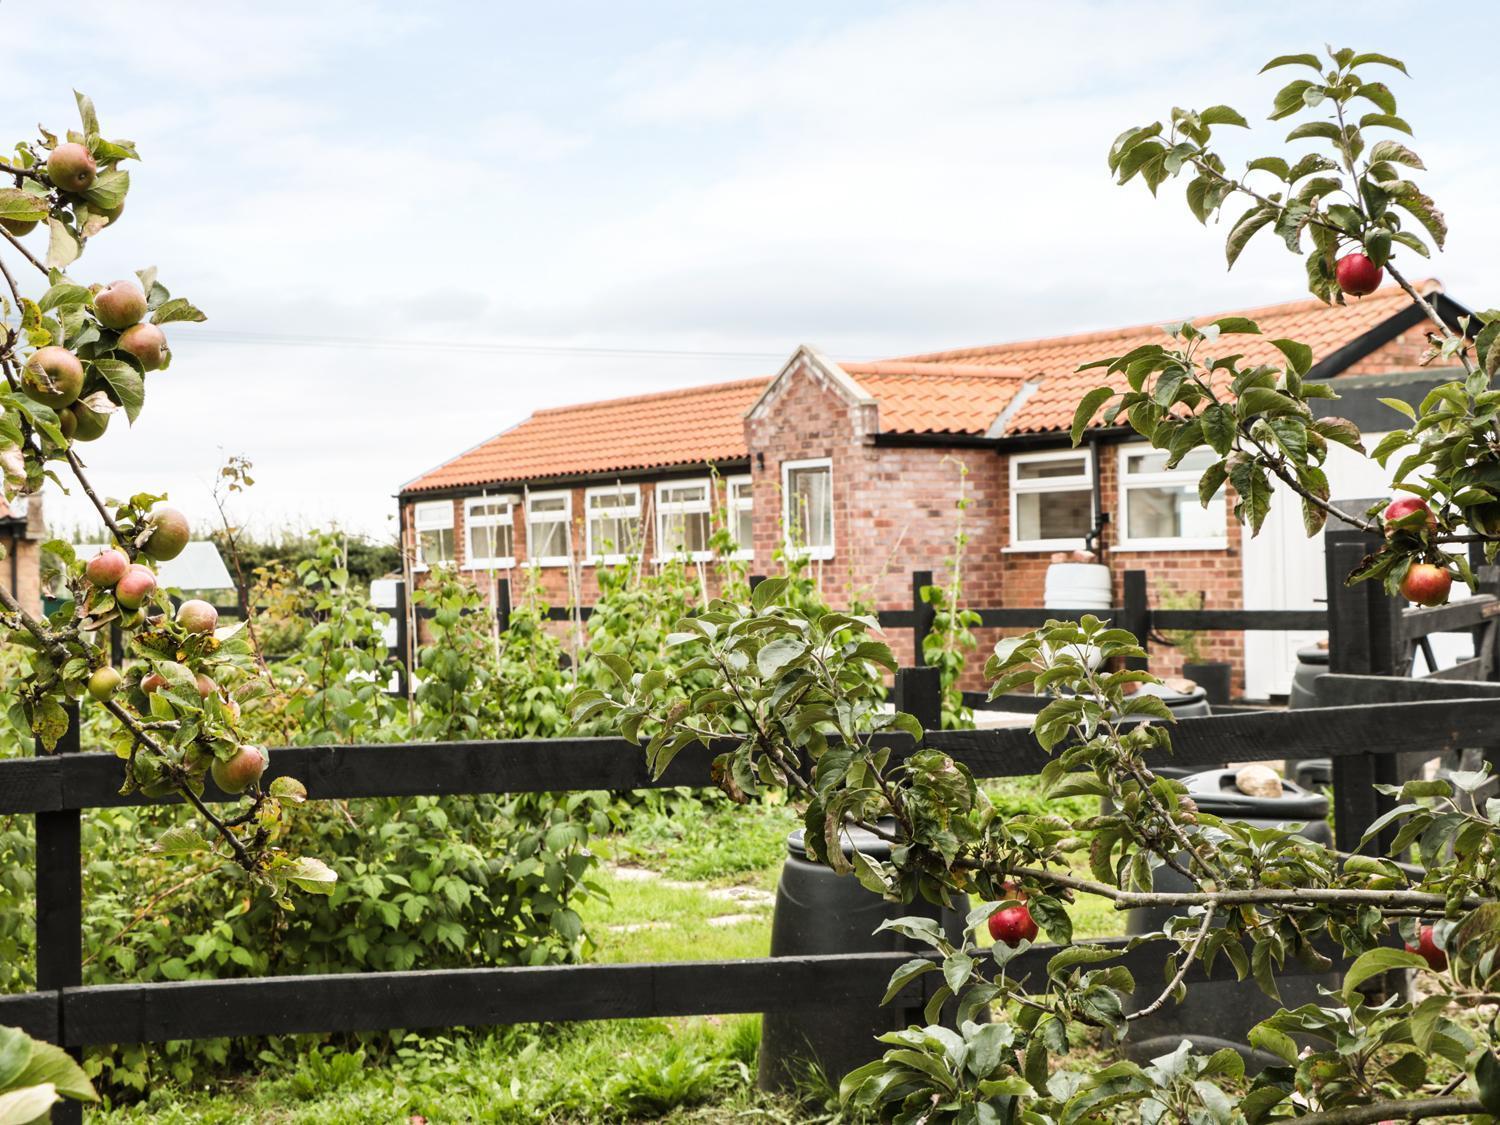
(1155, 461)
(683, 531)
(498, 509)
(548, 504)
(1171, 512)
(547, 540)
(683, 494)
(436, 514)
(491, 542)
(1045, 470)
(1053, 515)
(743, 529)
(612, 535)
(435, 546)
(811, 498)
(602, 501)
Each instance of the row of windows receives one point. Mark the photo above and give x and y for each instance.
(1052, 508)
(1052, 501)
(612, 525)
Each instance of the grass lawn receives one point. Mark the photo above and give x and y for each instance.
(687, 883)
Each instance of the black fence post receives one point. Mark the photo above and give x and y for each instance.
(919, 693)
(756, 580)
(923, 615)
(1135, 612)
(502, 605)
(403, 639)
(59, 906)
(1364, 638)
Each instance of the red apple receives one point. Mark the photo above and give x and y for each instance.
(169, 533)
(52, 376)
(1427, 584)
(1357, 275)
(103, 682)
(107, 567)
(197, 616)
(234, 775)
(206, 686)
(153, 681)
(136, 587)
(72, 167)
(120, 304)
(147, 343)
(1402, 507)
(1436, 959)
(1013, 925)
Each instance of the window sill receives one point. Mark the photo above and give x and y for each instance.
(607, 560)
(1043, 545)
(550, 562)
(490, 564)
(813, 554)
(1147, 545)
(687, 556)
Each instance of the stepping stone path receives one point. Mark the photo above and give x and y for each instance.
(743, 897)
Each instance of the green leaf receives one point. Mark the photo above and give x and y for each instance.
(21, 206)
(1274, 1042)
(86, 115)
(1223, 115)
(63, 246)
(1087, 408)
(1421, 207)
(776, 654)
(289, 789)
(51, 1064)
(177, 309)
(1245, 228)
(1254, 490)
(1487, 1081)
(27, 1104)
(180, 840)
(1386, 120)
(1371, 57)
(767, 593)
(1219, 427)
(15, 1053)
(1401, 407)
(1396, 153)
(1211, 481)
(1374, 962)
(109, 189)
(1294, 60)
(1298, 354)
(309, 873)
(1241, 325)
(128, 385)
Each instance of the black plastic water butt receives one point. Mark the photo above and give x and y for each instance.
(819, 912)
(1221, 1011)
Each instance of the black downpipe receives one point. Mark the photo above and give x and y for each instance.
(1094, 541)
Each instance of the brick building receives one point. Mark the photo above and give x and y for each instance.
(858, 464)
(22, 531)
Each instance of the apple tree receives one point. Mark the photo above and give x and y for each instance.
(76, 357)
(792, 702)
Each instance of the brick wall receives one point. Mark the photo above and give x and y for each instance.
(21, 555)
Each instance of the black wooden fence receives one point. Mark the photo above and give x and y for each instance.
(1380, 716)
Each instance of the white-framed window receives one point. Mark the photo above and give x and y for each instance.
(489, 532)
(740, 510)
(432, 523)
(1159, 507)
(1051, 500)
(613, 517)
(807, 496)
(549, 528)
(684, 524)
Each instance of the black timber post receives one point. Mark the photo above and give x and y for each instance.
(923, 615)
(1364, 638)
(1135, 614)
(59, 906)
(756, 580)
(403, 639)
(919, 693)
(502, 605)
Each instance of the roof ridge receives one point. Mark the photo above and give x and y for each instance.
(1385, 292)
(652, 396)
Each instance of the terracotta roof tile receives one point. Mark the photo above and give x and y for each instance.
(1055, 361)
(690, 426)
(939, 404)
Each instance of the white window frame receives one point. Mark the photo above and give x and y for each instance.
(665, 508)
(565, 517)
(499, 562)
(628, 512)
(1171, 478)
(1049, 484)
(807, 552)
(733, 505)
(418, 525)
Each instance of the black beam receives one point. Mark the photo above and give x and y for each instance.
(1230, 620)
(1455, 617)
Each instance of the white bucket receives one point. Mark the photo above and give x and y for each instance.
(1078, 586)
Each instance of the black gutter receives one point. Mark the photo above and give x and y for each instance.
(674, 472)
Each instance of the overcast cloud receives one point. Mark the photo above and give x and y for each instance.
(342, 185)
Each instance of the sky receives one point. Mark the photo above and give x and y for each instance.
(412, 225)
